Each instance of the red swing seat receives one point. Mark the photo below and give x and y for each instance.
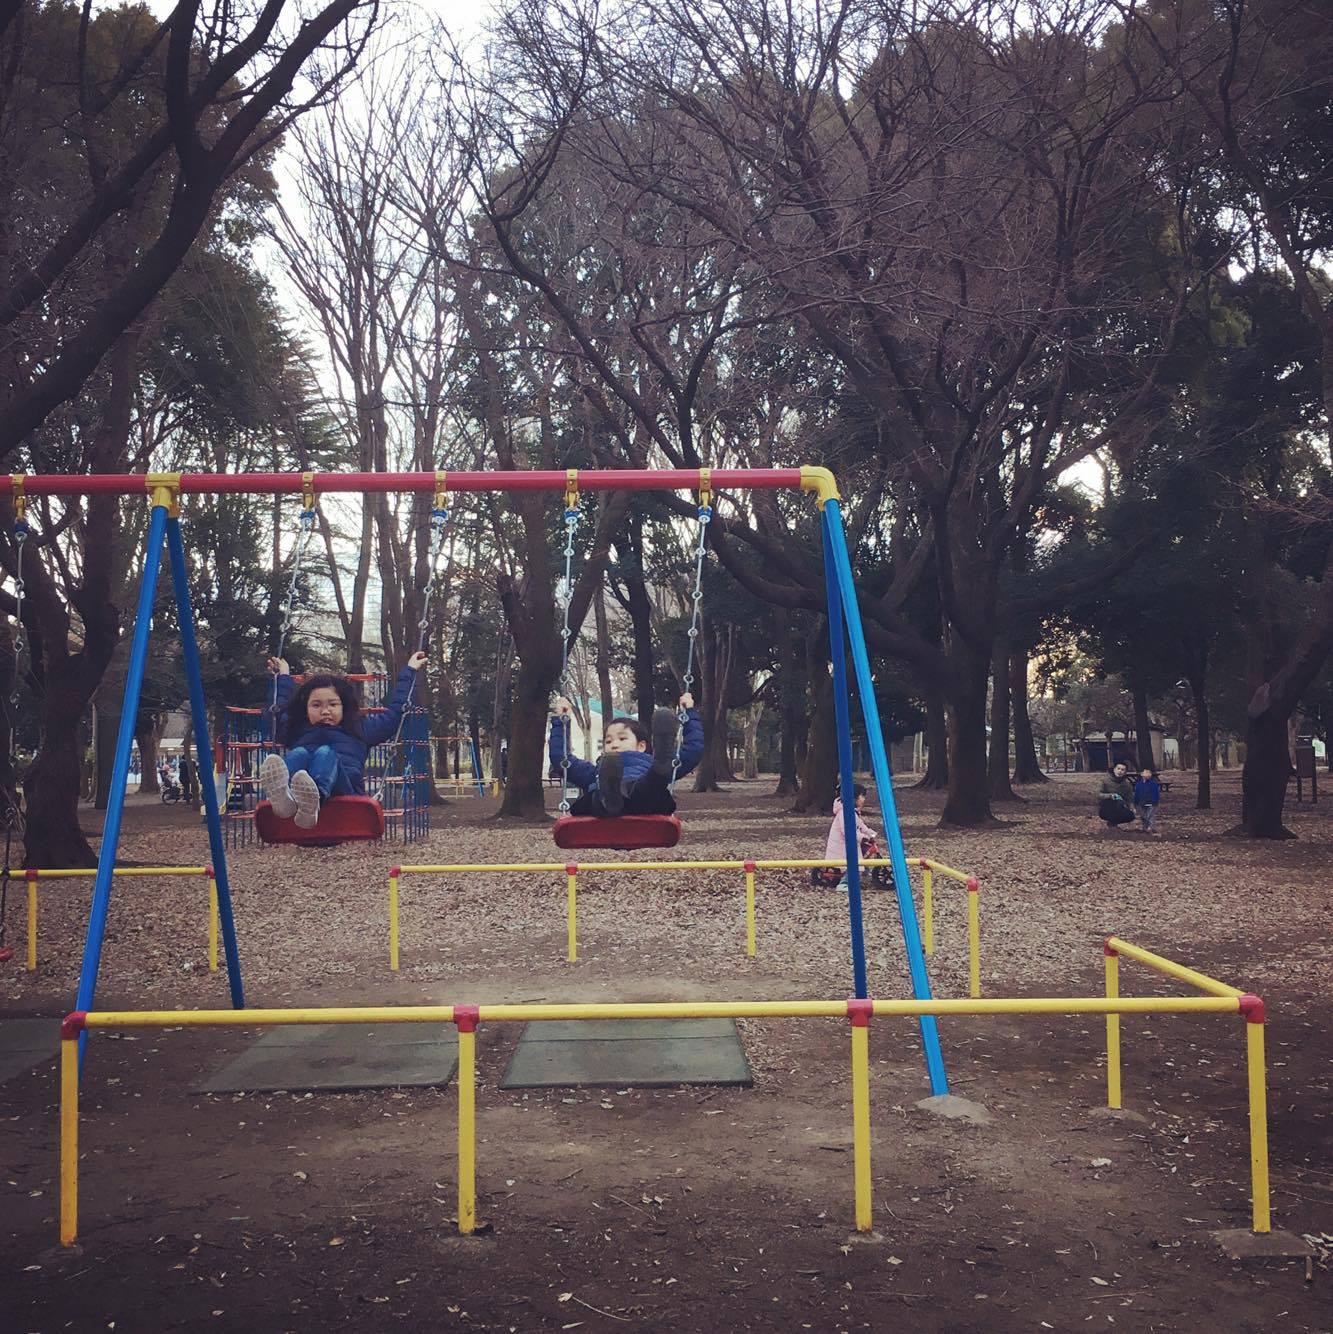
(341, 820)
(625, 833)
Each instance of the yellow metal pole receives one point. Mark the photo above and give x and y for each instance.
(749, 909)
(928, 897)
(1169, 968)
(32, 925)
(465, 1016)
(212, 923)
(974, 936)
(393, 917)
(1112, 1029)
(1260, 1210)
(859, 1014)
(571, 912)
(69, 1139)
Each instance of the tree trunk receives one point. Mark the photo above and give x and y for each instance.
(1027, 767)
(791, 691)
(1265, 776)
(1203, 729)
(104, 749)
(51, 785)
(968, 804)
(714, 648)
(819, 776)
(524, 793)
(1142, 729)
(936, 777)
(145, 737)
(998, 761)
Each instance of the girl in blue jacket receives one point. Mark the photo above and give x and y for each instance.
(327, 738)
(633, 775)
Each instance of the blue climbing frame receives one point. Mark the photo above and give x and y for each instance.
(845, 630)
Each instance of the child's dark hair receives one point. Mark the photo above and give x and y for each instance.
(858, 790)
(298, 719)
(634, 725)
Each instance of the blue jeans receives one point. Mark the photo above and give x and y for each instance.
(324, 766)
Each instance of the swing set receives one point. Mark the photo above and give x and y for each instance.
(165, 491)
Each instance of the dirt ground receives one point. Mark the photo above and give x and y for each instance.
(691, 1209)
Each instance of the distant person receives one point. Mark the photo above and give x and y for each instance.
(186, 772)
(836, 847)
(1147, 798)
(504, 764)
(1115, 798)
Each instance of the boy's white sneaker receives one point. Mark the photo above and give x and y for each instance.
(306, 792)
(277, 786)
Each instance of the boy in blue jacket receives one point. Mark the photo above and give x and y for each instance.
(1147, 797)
(633, 775)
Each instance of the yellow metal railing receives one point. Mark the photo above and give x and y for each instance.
(33, 875)
(467, 1017)
(750, 867)
(1255, 1066)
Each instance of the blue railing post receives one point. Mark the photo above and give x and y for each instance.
(204, 749)
(120, 771)
(835, 547)
(843, 715)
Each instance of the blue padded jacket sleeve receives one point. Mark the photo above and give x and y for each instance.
(379, 727)
(691, 743)
(275, 713)
(581, 773)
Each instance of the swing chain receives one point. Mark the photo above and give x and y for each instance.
(696, 614)
(20, 642)
(439, 526)
(303, 534)
(566, 595)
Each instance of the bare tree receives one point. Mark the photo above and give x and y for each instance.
(227, 77)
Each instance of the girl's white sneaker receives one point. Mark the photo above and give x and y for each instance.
(306, 792)
(277, 786)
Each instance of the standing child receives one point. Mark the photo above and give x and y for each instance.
(327, 738)
(836, 846)
(1147, 798)
(633, 775)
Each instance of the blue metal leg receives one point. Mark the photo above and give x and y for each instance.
(199, 715)
(843, 716)
(120, 772)
(835, 547)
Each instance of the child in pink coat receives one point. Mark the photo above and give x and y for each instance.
(836, 848)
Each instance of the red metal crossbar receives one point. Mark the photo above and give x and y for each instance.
(284, 483)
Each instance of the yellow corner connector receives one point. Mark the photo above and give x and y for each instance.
(165, 489)
(822, 482)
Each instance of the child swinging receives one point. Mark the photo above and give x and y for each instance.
(327, 739)
(633, 775)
